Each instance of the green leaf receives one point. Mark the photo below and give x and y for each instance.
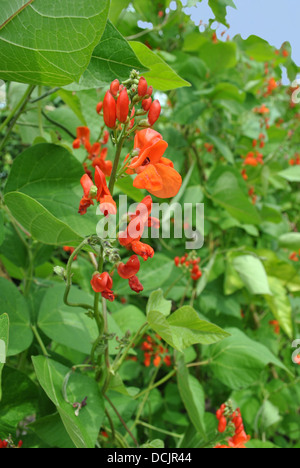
(205, 275)
(154, 444)
(280, 305)
(290, 241)
(252, 273)
(238, 361)
(52, 431)
(219, 9)
(43, 192)
(227, 191)
(70, 326)
(158, 302)
(184, 328)
(160, 75)
(13, 304)
(19, 399)
(49, 42)
(292, 174)
(116, 8)
(82, 429)
(222, 148)
(220, 56)
(4, 329)
(192, 395)
(259, 49)
(129, 318)
(112, 58)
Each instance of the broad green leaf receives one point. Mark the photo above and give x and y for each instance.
(52, 431)
(252, 273)
(50, 41)
(258, 49)
(4, 330)
(280, 305)
(184, 328)
(129, 318)
(290, 241)
(116, 8)
(84, 428)
(13, 304)
(158, 302)
(220, 56)
(70, 326)
(112, 58)
(292, 174)
(238, 361)
(192, 395)
(219, 8)
(20, 398)
(227, 192)
(160, 74)
(125, 186)
(43, 192)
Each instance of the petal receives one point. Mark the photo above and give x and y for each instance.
(154, 153)
(149, 179)
(146, 137)
(172, 182)
(86, 184)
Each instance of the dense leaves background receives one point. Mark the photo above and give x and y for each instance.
(68, 52)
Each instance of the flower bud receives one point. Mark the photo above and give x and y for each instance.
(114, 87)
(146, 104)
(142, 87)
(99, 107)
(109, 110)
(59, 271)
(123, 106)
(154, 112)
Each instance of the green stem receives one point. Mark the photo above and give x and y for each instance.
(113, 176)
(69, 278)
(118, 364)
(39, 340)
(122, 420)
(43, 96)
(23, 100)
(12, 118)
(62, 127)
(157, 384)
(154, 428)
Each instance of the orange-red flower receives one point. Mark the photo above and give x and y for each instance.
(131, 237)
(155, 173)
(102, 283)
(83, 138)
(99, 192)
(98, 156)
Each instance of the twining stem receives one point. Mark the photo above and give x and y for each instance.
(57, 124)
(69, 278)
(43, 96)
(112, 427)
(122, 420)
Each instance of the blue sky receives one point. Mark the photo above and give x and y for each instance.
(276, 21)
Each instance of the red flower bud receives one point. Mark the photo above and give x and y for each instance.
(114, 87)
(222, 424)
(76, 143)
(154, 112)
(130, 269)
(177, 261)
(142, 87)
(123, 106)
(99, 107)
(109, 110)
(146, 104)
(150, 90)
(135, 284)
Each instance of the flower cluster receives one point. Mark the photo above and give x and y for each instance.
(190, 264)
(271, 86)
(233, 421)
(96, 153)
(295, 161)
(253, 158)
(9, 444)
(131, 237)
(154, 350)
(98, 191)
(275, 324)
(294, 256)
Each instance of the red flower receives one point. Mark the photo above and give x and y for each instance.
(102, 283)
(130, 269)
(135, 284)
(133, 234)
(100, 161)
(100, 192)
(155, 173)
(83, 138)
